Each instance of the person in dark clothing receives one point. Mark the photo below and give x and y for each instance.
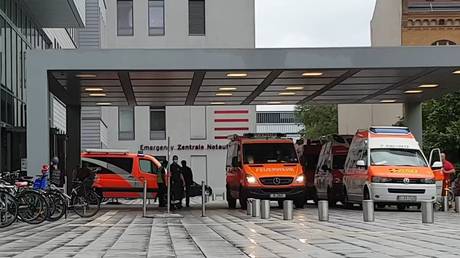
(177, 184)
(188, 179)
(86, 176)
(162, 189)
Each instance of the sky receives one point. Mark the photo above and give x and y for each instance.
(312, 23)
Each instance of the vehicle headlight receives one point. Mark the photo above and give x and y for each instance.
(251, 179)
(378, 179)
(428, 181)
(300, 179)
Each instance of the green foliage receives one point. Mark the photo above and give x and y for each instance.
(441, 125)
(318, 120)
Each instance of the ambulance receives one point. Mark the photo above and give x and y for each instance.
(263, 166)
(121, 174)
(386, 165)
(328, 179)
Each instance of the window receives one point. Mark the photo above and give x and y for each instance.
(260, 153)
(126, 123)
(147, 166)
(196, 18)
(443, 42)
(125, 18)
(156, 17)
(109, 165)
(397, 157)
(157, 124)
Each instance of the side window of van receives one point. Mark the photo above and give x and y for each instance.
(230, 149)
(110, 165)
(147, 166)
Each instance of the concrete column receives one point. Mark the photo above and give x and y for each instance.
(38, 127)
(413, 119)
(73, 126)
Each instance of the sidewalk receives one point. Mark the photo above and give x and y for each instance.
(123, 232)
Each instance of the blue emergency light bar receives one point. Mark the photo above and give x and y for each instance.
(390, 130)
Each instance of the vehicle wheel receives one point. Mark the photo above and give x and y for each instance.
(243, 200)
(346, 203)
(8, 209)
(366, 195)
(32, 207)
(280, 204)
(299, 203)
(401, 207)
(331, 200)
(230, 200)
(60, 206)
(86, 205)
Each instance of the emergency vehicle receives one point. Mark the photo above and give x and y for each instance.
(121, 174)
(263, 166)
(386, 165)
(329, 170)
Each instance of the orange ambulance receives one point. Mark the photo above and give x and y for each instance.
(263, 166)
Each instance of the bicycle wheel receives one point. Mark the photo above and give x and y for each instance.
(8, 209)
(59, 205)
(33, 207)
(86, 205)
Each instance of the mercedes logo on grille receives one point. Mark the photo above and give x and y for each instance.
(276, 180)
(406, 180)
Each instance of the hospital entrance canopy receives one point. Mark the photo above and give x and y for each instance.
(154, 77)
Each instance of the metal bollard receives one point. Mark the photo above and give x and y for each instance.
(224, 196)
(203, 200)
(427, 212)
(323, 210)
(144, 203)
(265, 209)
(249, 207)
(445, 203)
(255, 207)
(368, 211)
(213, 197)
(287, 209)
(457, 204)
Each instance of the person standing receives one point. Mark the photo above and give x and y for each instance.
(188, 179)
(177, 184)
(162, 185)
(447, 168)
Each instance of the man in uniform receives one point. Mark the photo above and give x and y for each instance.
(188, 178)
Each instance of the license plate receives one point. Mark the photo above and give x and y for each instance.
(407, 198)
(277, 195)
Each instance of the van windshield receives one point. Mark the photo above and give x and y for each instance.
(397, 157)
(260, 153)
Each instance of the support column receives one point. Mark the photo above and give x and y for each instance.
(73, 146)
(413, 119)
(38, 127)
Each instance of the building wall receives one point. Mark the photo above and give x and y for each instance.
(385, 32)
(362, 116)
(386, 23)
(185, 126)
(229, 24)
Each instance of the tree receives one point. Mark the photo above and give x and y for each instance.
(318, 120)
(441, 125)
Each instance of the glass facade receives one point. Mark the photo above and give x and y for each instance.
(18, 33)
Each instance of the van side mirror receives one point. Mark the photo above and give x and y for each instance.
(437, 165)
(235, 162)
(361, 164)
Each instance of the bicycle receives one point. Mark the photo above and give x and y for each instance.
(447, 191)
(33, 207)
(84, 200)
(8, 209)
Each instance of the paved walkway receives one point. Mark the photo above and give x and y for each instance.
(123, 232)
